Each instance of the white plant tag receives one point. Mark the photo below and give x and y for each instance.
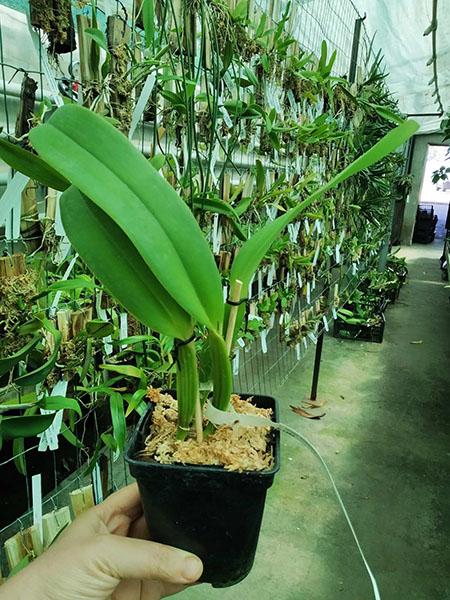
(312, 337)
(281, 319)
(338, 253)
(316, 254)
(305, 343)
(306, 226)
(36, 487)
(308, 292)
(271, 274)
(297, 351)
(325, 323)
(236, 362)
(250, 285)
(226, 116)
(260, 283)
(142, 102)
(288, 279)
(272, 321)
(97, 483)
(300, 283)
(123, 327)
(334, 313)
(225, 293)
(49, 438)
(264, 333)
(240, 342)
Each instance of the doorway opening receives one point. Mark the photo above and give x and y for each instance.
(433, 214)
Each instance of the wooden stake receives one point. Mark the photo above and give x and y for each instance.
(52, 524)
(32, 540)
(14, 550)
(63, 320)
(226, 188)
(18, 264)
(198, 420)
(82, 499)
(51, 204)
(233, 313)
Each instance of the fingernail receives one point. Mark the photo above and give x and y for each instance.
(192, 568)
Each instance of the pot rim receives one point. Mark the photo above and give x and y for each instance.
(275, 442)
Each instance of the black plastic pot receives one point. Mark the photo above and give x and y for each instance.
(363, 333)
(207, 510)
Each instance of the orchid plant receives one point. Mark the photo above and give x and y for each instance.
(141, 240)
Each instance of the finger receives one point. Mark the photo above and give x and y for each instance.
(126, 501)
(139, 529)
(154, 590)
(124, 558)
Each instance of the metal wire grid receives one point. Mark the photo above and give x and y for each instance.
(264, 372)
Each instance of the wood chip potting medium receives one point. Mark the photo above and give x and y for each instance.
(247, 449)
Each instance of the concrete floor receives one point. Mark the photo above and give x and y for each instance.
(386, 439)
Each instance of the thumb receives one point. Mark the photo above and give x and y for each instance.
(128, 558)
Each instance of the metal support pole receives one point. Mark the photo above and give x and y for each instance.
(355, 49)
(317, 360)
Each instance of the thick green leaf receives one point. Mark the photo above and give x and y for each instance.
(21, 564)
(26, 426)
(41, 373)
(31, 165)
(118, 419)
(115, 261)
(148, 19)
(98, 328)
(254, 250)
(98, 36)
(59, 402)
(19, 456)
(32, 325)
(8, 363)
(128, 370)
(158, 161)
(105, 166)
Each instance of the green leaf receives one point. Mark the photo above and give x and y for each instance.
(32, 166)
(260, 178)
(66, 285)
(109, 441)
(116, 262)
(127, 370)
(135, 401)
(23, 562)
(254, 250)
(106, 167)
(98, 36)
(60, 402)
(158, 161)
(388, 114)
(118, 419)
(32, 325)
(240, 12)
(251, 77)
(41, 373)
(227, 57)
(261, 26)
(25, 426)
(8, 363)
(19, 456)
(70, 437)
(148, 18)
(98, 328)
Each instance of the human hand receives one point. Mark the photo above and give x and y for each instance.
(105, 555)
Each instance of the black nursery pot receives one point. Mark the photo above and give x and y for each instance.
(207, 510)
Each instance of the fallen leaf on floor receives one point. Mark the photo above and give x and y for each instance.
(416, 342)
(310, 404)
(343, 398)
(303, 413)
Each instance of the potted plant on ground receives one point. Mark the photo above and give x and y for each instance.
(142, 241)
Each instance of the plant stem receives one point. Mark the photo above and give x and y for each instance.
(221, 371)
(187, 388)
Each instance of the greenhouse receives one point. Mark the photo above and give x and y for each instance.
(224, 299)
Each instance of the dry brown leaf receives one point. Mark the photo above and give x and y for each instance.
(310, 404)
(303, 413)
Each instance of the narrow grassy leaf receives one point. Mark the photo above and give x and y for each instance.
(60, 402)
(98, 328)
(41, 372)
(118, 419)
